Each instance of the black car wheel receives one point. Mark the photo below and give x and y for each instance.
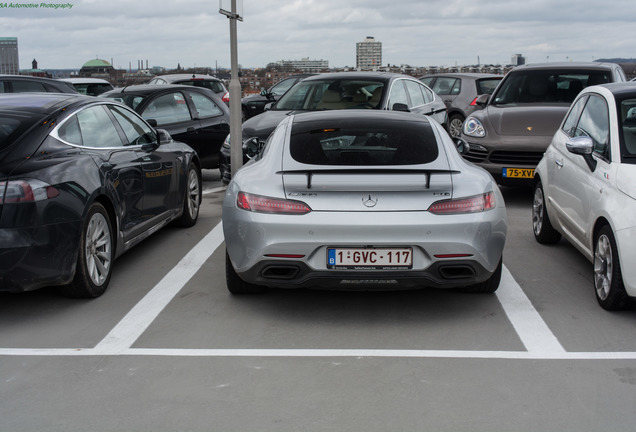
(455, 125)
(235, 284)
(96, 254)
(608, 278)
(192, 200)
(543, 230)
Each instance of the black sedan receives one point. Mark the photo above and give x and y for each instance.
(30, 84)
(343, 90)
(82, 180)
(193, 115)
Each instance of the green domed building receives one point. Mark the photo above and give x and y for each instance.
(97, 68)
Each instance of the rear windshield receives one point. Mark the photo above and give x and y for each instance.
(487, 85)
(547, 86)
(363, 143)
(215, 86)
(12, 126)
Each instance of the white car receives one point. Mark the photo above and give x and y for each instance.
(585, 188)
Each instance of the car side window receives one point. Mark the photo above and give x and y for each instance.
(594, 123)
(27, 86)
(91, 127)
(443, 85)
(205, 106)
(398, 94)
(168, 108)
(569, 125)
(415, 93)
(137, 132)
(428, 81)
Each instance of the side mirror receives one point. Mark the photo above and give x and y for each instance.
(264, 92)
(482, 100)
(583, 146)
(268, 106)
(400, 107)
(461, 145)
(252, 147)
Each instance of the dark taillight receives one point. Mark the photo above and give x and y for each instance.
(20, 191)
(474, 204)
(263, 204)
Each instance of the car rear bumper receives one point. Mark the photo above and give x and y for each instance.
(32, 258)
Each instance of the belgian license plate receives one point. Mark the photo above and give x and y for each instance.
(370, 258)
(526, 173)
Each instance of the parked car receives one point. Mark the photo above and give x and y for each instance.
(459, 91)
(89, 86)
(585, 188)
(196, 80)
(24, 83)
(343, 90)
(82, 180)
(509, 136)
(362, 199)
(255, 104)
(193, 115)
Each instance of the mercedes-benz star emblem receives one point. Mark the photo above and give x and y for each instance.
(369, 200)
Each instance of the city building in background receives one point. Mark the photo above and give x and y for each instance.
(517, 60)
(304, 65)
(9, 60)
(368, 54)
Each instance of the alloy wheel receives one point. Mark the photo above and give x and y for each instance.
(98, 249)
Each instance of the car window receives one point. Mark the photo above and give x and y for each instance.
(594, 123)
(20, 86)
(487, 85)
(204, 105)
(282, 86)
(415, 93)
(628, 129)
(167, 109)
(215, 86)
(12, 127)
(331, 94)
(364, 142)
(546, 86)
(428, 81)
(445, 85)
(137, 132)
(91, 127)
(398, 94)
(569, 125)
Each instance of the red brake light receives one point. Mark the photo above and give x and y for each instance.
(226, 97)
(262, 204)
(475, 204)
(20, 191)
(474, 102)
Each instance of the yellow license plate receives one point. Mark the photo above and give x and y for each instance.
(525, 173)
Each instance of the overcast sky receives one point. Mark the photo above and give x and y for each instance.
(415, 32)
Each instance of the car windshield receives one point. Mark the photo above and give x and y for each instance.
(326, 94)
(12, 126)
(546, 86)
(487, 85)
(627, 115)
(363, 142)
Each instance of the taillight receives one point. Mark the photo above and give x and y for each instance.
(20, 191)
(262, 204)
(474, 102)
(226, 97)
(474, 204)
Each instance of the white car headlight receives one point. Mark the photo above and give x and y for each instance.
(474, 128)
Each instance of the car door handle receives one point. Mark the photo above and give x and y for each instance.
(191, 130)
(559, 163)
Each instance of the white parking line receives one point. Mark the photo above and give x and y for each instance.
(539, 341)
(209, 191)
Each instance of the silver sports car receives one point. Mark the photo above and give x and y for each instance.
(359, 199)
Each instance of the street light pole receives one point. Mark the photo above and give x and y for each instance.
(236, 142)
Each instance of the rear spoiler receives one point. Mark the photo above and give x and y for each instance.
(427, 172)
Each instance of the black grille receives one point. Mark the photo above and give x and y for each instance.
(516, 158)
(475, 156)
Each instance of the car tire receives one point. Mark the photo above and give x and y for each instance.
(455, 124)
(192, 199)
(235, 284)
(95, 257)
(608, 278)
(542, 228)
(488, 286)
